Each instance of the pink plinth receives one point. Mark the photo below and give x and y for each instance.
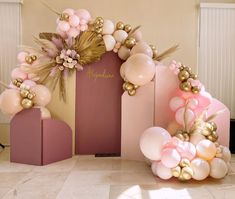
(137, 116)
(39, 141)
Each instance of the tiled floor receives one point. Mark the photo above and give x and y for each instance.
(86, 177)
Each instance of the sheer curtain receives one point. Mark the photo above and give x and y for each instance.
(217, 51)
(10, 39)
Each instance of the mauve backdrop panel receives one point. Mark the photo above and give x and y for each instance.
(98, 107)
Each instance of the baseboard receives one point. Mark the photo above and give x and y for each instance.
(232, 136)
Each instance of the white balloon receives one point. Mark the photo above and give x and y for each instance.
(120, 35)
(151, 142)
(109, 42)
(201, 169)
(108, 27)
(124, 53)
(45, 113)
(226, 154)
(195, 138)
(163, 172)
(176, 102)
(219, 168)
(154, 167)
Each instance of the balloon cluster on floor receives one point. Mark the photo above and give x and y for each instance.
(193, 152)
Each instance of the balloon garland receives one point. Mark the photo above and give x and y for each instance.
(193, 152)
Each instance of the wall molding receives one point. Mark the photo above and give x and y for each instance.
(217, 5)
(12, 1)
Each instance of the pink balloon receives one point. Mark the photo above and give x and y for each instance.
(186, 150)
(163, 172)
(43, 95)
(21, 56)
(63, 26)
(10, 102)
(124, 53)
(154, 167)
(219, 168)
(193, 103)
(142, 47)
(73, 32)
(83, 14)
(176, 103)
(172, 143)
(74, 20)
(204, 98)
(140, 69)
(69, 11)
(170, 157)
(17, 73)
(27, 84)
(137, 35)
(62, 33)
(45, 113)
(152, 141)
(179, 116)
(122, 70)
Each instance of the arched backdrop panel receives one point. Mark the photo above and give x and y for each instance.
(98, 107)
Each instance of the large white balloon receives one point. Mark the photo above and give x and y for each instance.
(219, 168)
(163, 172)
(201, 169)
(151, 142)
(140, 69)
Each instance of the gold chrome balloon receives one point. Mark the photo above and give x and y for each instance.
(34, 57)
(28, 60)
(120, 25)
(195, 90)
(27, 103)
(130, 42)
(187, 173)
(214, 126)
(184, 162)
(127, 28)
(24, 93)
(185, 86)
(132, 92)
(183, 75)
(30, 96)
(64, 17)
(176, 171)
(129, 86)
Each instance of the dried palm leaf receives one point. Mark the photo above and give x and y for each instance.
(49, 36)
(166, 53)
(90, 47)
(211, 117)
(46, 45)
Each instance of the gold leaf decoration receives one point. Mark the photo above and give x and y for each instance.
(166, 53)
(90, 46)
(49, 36)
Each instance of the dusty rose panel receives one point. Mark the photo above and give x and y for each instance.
(98, 107)
(25, 137)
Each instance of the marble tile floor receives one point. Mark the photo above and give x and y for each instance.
(87, 177)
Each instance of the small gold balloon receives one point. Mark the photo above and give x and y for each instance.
(24, 93)
(129, 86)
(188, 69)
(214, 134)
(185, 86)
(127, 28)
(99, 19)
(211, 138)
(180, 136)
(219, 155)
(187, 173)
(18, 84)
(34, 57)
(176, 171)
(120, 25)
(183, 75)
(64, 17)
(30, 96)
(132, 92)
(181, 67)
(14, 82)
(136, 86)
(130, 42)
(193, 76)
(28, 60)
(218, 150)
(19, 80)
(152, 47)
(184, 162)
(27, 103)
(98, 30)
(214, 126)
(206, 132)
(186, 136)
(124, 86)
(195, 90)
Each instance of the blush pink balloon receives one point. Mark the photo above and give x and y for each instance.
(17, 73)
(154, 167)
(21, 56)
(142, 47)
(43, 95)
(152, 141)
(176, 103)
(172, 143)
(204, 98)
(62, 33)
(140, 69)
(163, 172)
(170, 157)
(69, 11)
(124, 53)
(186, 150)
(27, 84)
(83, 14)
(73, 32)
(63, 26)
(137, 35)
(74, 20)
(109, 42)
(179, 116)
(11, 102)
(193, 103)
